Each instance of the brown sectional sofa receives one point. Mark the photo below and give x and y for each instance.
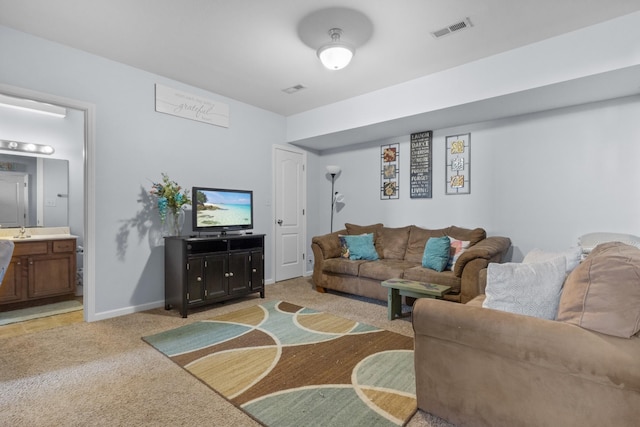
(477, 366)
(400, 251)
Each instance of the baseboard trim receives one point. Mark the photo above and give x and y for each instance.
(127, 310)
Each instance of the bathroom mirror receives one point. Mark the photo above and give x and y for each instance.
(33, 191)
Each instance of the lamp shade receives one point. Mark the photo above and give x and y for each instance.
(335, 55)
(333, 169)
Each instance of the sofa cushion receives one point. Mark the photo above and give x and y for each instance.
(472, 235)
(394, 241)
(426, 275)
(417, 240)
(355, 229)
(342, 266)
(361, 247)
(528, 289)
(384, 269)
(436, 253)
(603, 292)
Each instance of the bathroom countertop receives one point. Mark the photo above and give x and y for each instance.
(39, 233)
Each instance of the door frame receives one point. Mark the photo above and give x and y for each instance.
(303, 218)
(89, 111)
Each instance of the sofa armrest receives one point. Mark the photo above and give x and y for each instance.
(324, 247)
(558, 346)
(472, 261)
(492, 249)
(328, 245)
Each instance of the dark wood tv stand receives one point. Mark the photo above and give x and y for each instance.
(204, 270)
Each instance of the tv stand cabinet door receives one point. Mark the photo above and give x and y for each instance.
(216, 283)
(257, 272)
(195, 280)
(239, 273)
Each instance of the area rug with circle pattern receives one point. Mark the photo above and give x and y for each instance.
(287, 365)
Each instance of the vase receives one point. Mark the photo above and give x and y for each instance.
(174, 222)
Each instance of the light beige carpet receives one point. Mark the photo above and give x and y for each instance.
(103, 374)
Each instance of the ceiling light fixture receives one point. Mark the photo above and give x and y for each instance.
(27, 147)
(32, 106)
(335, 55)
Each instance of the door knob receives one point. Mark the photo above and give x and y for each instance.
(279, 222)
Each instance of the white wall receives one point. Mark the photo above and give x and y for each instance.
(134, 144)
(541, 179)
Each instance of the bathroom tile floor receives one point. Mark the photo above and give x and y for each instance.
(41, 324)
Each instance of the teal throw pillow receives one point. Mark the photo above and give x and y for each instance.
(361, 247)
(436, 253)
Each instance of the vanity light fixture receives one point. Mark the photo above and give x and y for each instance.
(32, 106)
(27, 147)
(335, 55)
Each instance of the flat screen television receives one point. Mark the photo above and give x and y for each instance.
(220, 210)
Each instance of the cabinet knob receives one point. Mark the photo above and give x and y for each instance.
(231, 274)
(226, 274)
(254, 270)
(199, 279)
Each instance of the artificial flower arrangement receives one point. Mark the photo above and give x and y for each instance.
(170, 196)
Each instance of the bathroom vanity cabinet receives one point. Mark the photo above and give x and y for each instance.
(40, 268)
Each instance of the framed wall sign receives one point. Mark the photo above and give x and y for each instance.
(189, 106)
(420, 179)
(458, 164)
(389, 171)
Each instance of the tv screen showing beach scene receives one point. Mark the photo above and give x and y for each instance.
(222, 209)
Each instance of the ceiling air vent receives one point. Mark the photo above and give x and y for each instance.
(293, 89)
(458, 26)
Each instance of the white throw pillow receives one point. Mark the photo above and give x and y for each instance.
(528, 289)
(572, 255)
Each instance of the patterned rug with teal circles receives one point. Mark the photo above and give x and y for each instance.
(287, 365)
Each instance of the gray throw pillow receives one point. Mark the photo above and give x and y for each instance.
(528, 289)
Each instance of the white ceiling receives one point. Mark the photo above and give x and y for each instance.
(249, 50)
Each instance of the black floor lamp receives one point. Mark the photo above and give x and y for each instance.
(335, 196)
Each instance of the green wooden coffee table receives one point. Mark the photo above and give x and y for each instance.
(409, 288)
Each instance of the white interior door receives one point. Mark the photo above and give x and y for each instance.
(55, 193)
(289, 213)
(13, 186)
